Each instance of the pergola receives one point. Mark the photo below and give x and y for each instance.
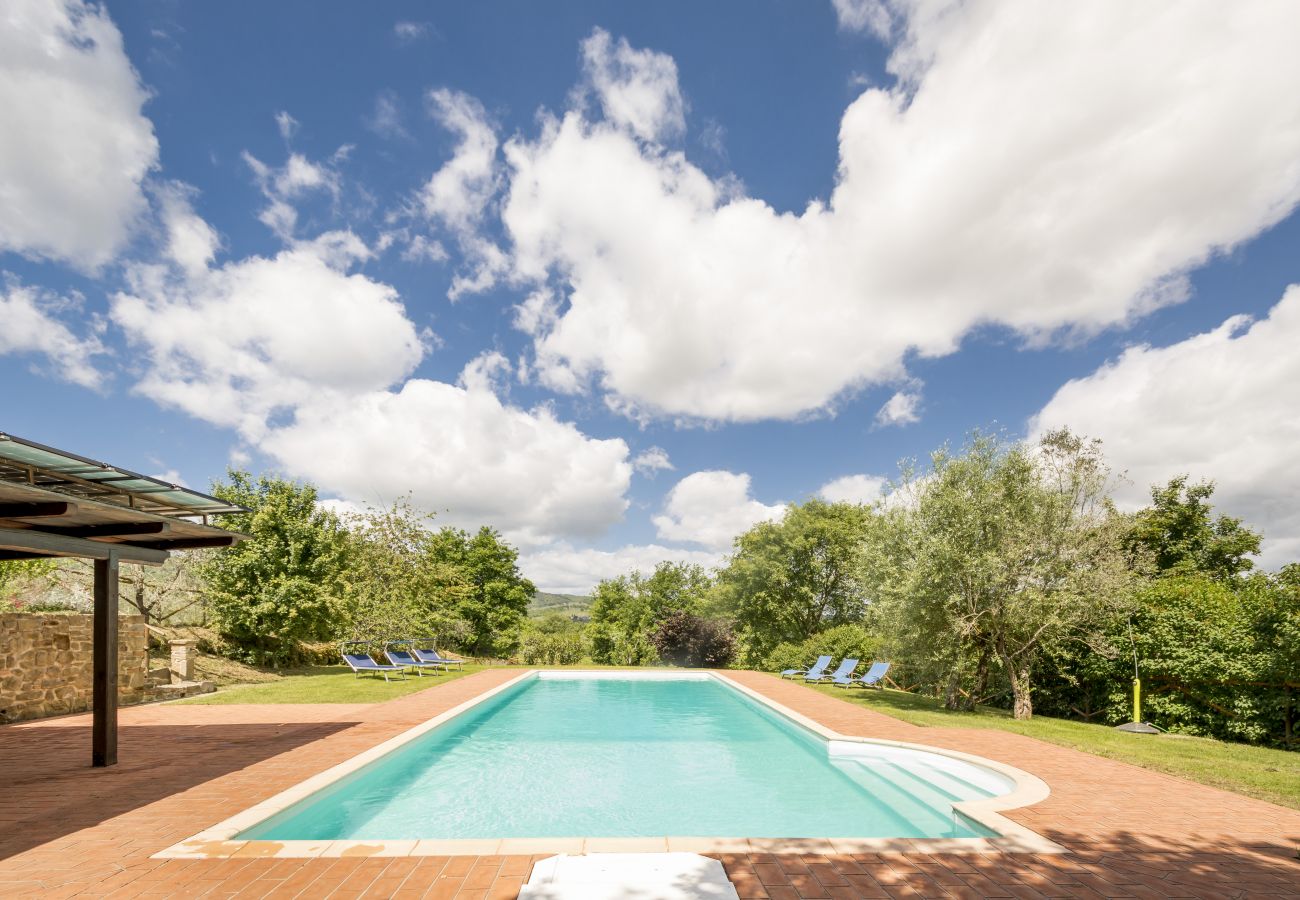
(57, 504)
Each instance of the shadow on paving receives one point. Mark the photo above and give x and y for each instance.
(50, 789)
(1121, 864)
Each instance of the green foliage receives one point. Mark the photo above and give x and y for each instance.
(493, 599)
(1180, 536)
(628, 609)
(553, 640)
(840, 642)
(395, 584)
(789, 580)
(285, 584)
(15, 574)
(685, 639)
(1006, 551)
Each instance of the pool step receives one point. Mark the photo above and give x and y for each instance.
(913, 801)
(618, 876)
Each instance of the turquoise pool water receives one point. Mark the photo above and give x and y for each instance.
(629, 757)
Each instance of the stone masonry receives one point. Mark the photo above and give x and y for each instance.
(46, 663)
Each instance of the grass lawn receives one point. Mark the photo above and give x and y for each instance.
(1272, 775)
(328, 684)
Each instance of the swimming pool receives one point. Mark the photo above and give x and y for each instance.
(561, 754)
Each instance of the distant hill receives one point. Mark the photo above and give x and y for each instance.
(568, 604)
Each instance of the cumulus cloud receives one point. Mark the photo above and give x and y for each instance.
(237, 344)
(458, 194)
(564, 569)
(651, 461)
(1052, 171)
(1219, 405)
(75, 146)
(900, 409)
(637, 89)
(463, 454)
(284, 185)
(32, 326)
(863, 16)
(710, 508)
(854, 489)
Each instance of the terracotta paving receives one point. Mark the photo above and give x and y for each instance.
(67, 830)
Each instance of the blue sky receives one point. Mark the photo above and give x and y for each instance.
(622, 278)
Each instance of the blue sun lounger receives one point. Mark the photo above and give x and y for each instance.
(844, 670)
(361, 662)
(404, 657)
(872, 679)
(823, 662)
(431, 656)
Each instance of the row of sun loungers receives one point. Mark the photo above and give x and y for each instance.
(842, 676)
(402, 655)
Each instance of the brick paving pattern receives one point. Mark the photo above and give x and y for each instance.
(67, 830)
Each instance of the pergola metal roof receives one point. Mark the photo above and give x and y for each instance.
(54, 503)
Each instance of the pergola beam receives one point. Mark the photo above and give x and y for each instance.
(37, 510)
(110, 529)
(41, 542)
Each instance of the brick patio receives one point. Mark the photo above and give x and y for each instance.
(66, 830)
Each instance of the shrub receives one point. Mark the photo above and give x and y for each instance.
(558, 649)
(685, 639)
(840, 642)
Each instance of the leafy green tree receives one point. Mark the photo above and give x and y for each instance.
(628, 609)
(495, 595)
(840, 642)
(1006, 550)
(14, 574)
(285, 584)
(789, 580)
(396, 584)
(1180, 535)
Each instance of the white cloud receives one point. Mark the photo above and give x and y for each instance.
(1041, 168)
(637, 89)
(854, 489)
(31, 325)
(239, 344)
(1220, 405)
(459, 191)
(463, 454)
(863, 16)
(298, 177)
(900, 409)
(711, 508)
(458, 194)
(652, 461)
(386, 119)
(408, 32)
(75, 146)
(562, 569)
(190, 242)
(171, 476)
(287, 124)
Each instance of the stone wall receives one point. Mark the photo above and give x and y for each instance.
(46, 662)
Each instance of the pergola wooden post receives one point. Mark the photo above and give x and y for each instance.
(103, 750)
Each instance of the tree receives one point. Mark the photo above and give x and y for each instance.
(285, 584)
(788, 580)
(1181, 536)
(628, 609)
(396, 584)
(493, 599)
(15, 574)
(1007, 549)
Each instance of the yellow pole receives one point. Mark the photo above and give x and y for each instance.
(1137, 699)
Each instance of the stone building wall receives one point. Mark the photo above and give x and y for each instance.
(46, 663)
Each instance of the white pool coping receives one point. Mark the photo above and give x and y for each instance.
(218, 841)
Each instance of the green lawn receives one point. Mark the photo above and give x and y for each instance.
(328, 684)
(1272, 775)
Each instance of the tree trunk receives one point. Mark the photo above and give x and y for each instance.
(981, 676)
(1022, 704)
(952, 691)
